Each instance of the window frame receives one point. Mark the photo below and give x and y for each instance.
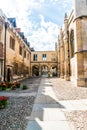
(20, 50)
(35, 56)
(24, 53)
(44, 56)
(12, 43)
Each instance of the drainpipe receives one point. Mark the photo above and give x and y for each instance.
(6, 25)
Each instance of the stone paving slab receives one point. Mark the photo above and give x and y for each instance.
(39, 107)
(41, 115)
(18, 94)
(84, 102)
(47, 125)
(46, 113)
(74, 104)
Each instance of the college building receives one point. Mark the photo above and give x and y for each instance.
(72, 45)
(15, 52)
(44, 63)
(68, 61)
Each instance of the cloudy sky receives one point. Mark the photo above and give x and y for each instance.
(40, 20)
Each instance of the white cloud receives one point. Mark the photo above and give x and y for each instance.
(41, 33)
(46, 36)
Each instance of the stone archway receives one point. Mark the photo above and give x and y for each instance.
(35, 70)
(8, 74)
(53, 71)
(44, 71)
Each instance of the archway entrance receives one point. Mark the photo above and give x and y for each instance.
(53, 71)
(35, 70)
(44, 70)
(8, 74)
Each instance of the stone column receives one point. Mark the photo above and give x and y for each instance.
(81, 51)
(23, 48)
(61, 54)
(80, 26)
(30, 70)
(66, 47)
(58, 51)
(40, 70)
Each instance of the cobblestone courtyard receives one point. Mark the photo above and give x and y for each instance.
(68, 92)
(72, 98)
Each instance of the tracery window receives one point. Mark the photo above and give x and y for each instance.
(72, 43)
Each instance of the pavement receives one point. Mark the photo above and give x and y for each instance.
(47, 111)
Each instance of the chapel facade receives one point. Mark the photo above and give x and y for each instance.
(72, 45)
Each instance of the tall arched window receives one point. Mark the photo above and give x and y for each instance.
(16, 68)
(72, 43)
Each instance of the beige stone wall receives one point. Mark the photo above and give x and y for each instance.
(75, 67)
(49, 55)
(12, 55)
(49, 63)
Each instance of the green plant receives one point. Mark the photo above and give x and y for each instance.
(0, 87)
(3, 85)
(17, 84)
(3, 101)
(13, 87)
(24, 87)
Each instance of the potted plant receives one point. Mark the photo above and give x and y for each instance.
(17, 84)
(24, 87)
(3, 101)
(4, 86)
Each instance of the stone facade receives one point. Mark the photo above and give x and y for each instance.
(72, 45)
(69, 61)
(44, 63)
(14, 52)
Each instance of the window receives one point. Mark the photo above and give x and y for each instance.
(35, 57)
(24, 54)
(44, 57)
(20, 50)
(12, 43)
(53, 57)
(28, 56)
(72, 43)
(15, 68)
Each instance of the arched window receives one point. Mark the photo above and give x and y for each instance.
(16, 68)
(72, 43)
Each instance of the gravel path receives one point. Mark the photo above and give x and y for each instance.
(65, 90)
(78, 119)
(16, 115)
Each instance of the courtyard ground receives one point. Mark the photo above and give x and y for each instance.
(54, 99)
(74, 99)
(20, 105)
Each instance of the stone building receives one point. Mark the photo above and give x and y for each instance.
(44, 63)
(69, 61)
(72, 45)
(14, 52)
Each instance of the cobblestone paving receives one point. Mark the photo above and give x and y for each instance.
(16, 115)
(65, 90)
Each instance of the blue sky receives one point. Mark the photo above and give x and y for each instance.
(40, 20)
